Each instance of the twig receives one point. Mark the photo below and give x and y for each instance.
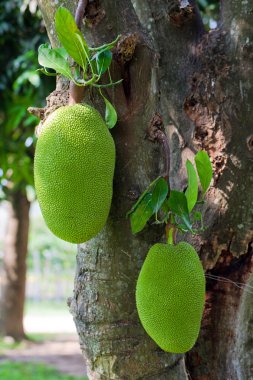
(76, 93)
(171, 233)
(82, 4)
(38, 112)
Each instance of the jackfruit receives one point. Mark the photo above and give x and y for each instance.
(170, 296)
(73, 172)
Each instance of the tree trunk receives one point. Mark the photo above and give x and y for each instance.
(200, 84)
(14, 267)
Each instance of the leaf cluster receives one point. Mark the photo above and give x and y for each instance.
(20, 86)
(78, 62)
(176, 208)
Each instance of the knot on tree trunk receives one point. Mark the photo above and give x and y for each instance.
(181, 12)
(56, 99)
(94, 14)
(156, 128)
(126, 47)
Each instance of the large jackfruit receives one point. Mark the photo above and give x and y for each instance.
(170, 296)
(73, 171)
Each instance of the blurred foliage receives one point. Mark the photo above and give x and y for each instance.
(51, 263)
(210, 12)
(60, 254)
(21, 32)
(27, 371)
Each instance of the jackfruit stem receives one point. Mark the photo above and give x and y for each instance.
(171, 233)
(76, 93)
(171, 230)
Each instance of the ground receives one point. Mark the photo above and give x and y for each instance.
(54, 340)
(61, 352)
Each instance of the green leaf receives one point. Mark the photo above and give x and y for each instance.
(84, 52)
(159, 194)
(148, 204)
(204, 168)
(148, 190)
(197, 216)
(110, 113)
(103, 60)
(141, 214)
(108, 46)
(111, 84)
(93, 65)
(178, 205)
(27, 76)
(15, 117)
(71, 37)
(62, 52)
(54, 59)
(31, 120)
(15, 113)
(192, 189)
(76, 73)
(165, 206)
(48, 73)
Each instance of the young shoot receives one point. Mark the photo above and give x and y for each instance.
(176, 209)
(81, 64)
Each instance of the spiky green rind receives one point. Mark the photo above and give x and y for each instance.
(170, 296)
(73, 171)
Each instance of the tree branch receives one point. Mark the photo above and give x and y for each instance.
(80, 10)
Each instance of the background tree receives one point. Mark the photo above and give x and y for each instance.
(197, 87)
(21, 32)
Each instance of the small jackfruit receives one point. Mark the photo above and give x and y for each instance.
(73, 172)
(170, 296)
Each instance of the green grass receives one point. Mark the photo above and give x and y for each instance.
(43, 337)
(8, 345)
(33, 337)
(29, 371)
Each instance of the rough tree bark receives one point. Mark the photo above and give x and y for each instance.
(200, 84)
(14, 267)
